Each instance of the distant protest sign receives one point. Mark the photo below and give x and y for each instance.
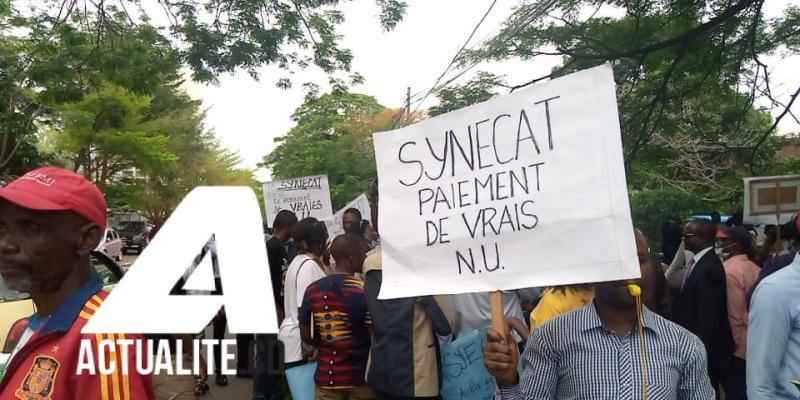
(308, 196)
(524, 190)
(360, 203)
(771, 200)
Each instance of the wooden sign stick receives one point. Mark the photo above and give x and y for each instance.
(498, 316)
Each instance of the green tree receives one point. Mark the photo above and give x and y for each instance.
(219, 36)
(199, 159)
(105, 92)
(49, 68)
(479, 89)
(103, 136)
(68, 60)
(650, 208)
(18, 113)
(333, 136)
(679, 67)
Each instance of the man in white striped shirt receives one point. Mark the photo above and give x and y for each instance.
(596, 353)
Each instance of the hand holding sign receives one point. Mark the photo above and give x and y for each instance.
(524, 190)
(501, 357)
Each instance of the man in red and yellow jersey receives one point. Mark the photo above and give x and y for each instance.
(50, 221)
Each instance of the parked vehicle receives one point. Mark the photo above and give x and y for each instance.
(18, 305)
(135, 236)
(111, 245)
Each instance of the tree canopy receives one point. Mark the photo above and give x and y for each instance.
(333, 136)
(218, 36)
(480, 88)
(108, 106)
(688, 74)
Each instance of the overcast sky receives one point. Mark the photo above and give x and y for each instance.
(247, 114)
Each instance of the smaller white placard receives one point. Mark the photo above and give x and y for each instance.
(307, 196)
(771, 200)
(360, 203)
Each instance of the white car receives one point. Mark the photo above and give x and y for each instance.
(111, 245)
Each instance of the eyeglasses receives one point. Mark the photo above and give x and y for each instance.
(689, 235)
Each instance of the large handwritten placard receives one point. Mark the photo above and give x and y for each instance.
(308, 196)
(360, 203)
(525, 190)
(464, 377)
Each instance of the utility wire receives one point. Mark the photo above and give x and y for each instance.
(458, 53)
(523, 21)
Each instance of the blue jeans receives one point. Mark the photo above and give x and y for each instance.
(268, 366)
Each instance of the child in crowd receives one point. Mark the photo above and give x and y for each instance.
(341, 324)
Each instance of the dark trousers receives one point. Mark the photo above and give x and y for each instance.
(716, 373)
(218, 324)
(736, 384)
(243, 353)
(220, 321)
(267, 367)
(716, 382)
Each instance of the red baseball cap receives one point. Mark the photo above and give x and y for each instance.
(57, 189)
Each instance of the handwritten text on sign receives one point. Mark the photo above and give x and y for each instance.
(308, 196)
(464, 377)
(524, 190)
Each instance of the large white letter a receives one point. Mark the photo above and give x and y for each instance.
(141, 302)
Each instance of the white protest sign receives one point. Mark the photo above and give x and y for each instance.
(771, 200)
(360, 203)
(521, 191)
(308, 196)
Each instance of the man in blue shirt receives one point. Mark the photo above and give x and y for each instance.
(773, 336)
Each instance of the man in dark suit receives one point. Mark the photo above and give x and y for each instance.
(701, 306)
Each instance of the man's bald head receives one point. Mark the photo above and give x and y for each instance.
(349, 251)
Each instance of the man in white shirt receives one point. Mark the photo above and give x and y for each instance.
(472, 310)
(309, 237)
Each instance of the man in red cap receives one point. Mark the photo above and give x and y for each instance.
(50, 221)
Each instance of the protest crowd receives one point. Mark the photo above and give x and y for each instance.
(577, 341)
(712, 316)
(715, 314)
(387, 349)
(699, 301)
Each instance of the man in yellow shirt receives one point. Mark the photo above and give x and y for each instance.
(557, 300)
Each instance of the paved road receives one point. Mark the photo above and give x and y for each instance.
(237, 389)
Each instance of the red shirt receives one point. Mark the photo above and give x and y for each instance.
(45, 367)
